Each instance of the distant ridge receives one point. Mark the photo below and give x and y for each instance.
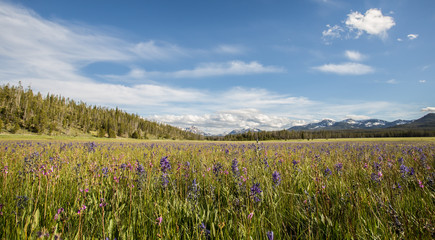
(348, 124)
(425, 122)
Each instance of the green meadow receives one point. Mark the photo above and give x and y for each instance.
(88, 188)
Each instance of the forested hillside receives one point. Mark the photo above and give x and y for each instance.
(23, 110)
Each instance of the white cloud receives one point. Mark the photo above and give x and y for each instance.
(357, 117)
(400, 40)
(412, 36)
(373, 22)
(157, 51)
(354, 55)
(422, 81)
(226, 121)
(346, 68)
(230, 49)
(332, 32)
(228, 68)
(392, 81)
(428, 109)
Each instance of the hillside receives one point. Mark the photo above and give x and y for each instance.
(426, 122)
(24, 111)
(347, 124)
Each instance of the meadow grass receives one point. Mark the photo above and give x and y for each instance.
(94, 189)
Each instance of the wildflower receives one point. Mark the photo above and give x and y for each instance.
(59, 211)
(235, 167)
(339, 166)
(1, 207)
(327, 171)
(420, 184)
(411, 171)
(255, 192)
(159, 220)
(269, 235)
(375, 177)
(165, 165)
(376, 166)
(251, 215)
(205, 230)
(102, 203)
(276, 178)
(217, 169)
(165, 180)
(194, 190)
(404, 170)
(295, 163)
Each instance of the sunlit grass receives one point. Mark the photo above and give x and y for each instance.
(131, 189)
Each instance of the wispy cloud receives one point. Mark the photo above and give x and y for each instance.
(422, 81)
(349, 68)
(428, 109)
(228, 68)
(225, 121)
(412, 36)
(392, 81)
(230, 49)
(151, 50)
(354, 55)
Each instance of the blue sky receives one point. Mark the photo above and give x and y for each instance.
(223, 65)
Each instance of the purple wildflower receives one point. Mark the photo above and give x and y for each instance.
(375, 177)
(339, 167)
(256, 192)
(165, 165)
(276, 178)
(205, 230)
(376, 166)
(269, 235)
(159, 220)
(327, 172)
(217, 168)
(295, 163)
(165, 180)
(235, 167)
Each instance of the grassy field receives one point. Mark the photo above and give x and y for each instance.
(87, 188)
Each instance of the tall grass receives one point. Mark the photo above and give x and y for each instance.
(86, 190)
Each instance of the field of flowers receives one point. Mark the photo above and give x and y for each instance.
(201, 190)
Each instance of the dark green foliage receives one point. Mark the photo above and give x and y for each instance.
(22, 109)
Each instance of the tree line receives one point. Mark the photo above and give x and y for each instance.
(325, 134)
(22, 109)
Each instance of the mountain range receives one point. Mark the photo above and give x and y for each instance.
(426, 122)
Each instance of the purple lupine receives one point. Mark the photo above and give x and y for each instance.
(165, 180)
(376, 166)
(339, 167)
(165, 165)
(375, 177)
(194, 190)
(327, 172)
(269, 235)
(404, 170)
(276, 178)
(411, 171)
(205, 230)
(256, 192)
(217, 169)
(235, 167)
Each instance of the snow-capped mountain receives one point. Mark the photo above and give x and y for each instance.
(196, 130)
(244, 130)
(328, 124)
